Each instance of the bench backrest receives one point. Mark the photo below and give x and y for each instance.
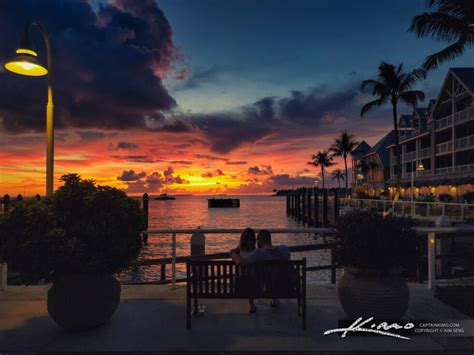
(224, 279)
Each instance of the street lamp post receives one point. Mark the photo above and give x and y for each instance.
(418, 168)
(25, 63)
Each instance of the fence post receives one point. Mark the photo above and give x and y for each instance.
(431, 260)
(6, 202)
(308, 196)
(336, 206)
(173, 259)
(303, 206)
(163, 273)
(316, 207)
(287, 203)
(145, 210)
(325, 208)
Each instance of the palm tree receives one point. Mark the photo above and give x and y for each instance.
(394, 86)
(372, 167)
(342, 146)
(338, 175)
(323, 160)
(451, 21)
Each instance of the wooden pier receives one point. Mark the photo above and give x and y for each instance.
(310, 206)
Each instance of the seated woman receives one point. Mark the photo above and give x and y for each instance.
(246, 246)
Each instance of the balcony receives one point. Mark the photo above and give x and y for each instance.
(446, 170)
(424, 153)
(409, 156)
(445, 147)
(464, 168)
(464, 142)
(464, 115)
(444, 122)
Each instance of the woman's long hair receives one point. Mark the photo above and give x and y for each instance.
(247, 240)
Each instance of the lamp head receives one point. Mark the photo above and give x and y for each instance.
(25, 62)
(420, 167)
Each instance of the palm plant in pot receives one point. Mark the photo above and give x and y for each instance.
(79, 239)
(374, 250)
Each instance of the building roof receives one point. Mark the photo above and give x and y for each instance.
(362, 148)
(406, 119)
(466, 75)
(421, 110)
(381, 148)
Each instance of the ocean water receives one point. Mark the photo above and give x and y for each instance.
(192, 211)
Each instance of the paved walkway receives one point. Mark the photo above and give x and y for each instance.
(152, 318)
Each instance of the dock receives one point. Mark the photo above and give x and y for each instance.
(152, 318)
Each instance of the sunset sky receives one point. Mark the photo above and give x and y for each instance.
(210, 96)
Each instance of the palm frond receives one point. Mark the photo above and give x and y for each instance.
(372, 105)
(439, 25)
(452, 51)
(412, 98)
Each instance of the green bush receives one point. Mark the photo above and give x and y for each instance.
(83, 228)
(367, 240)
(469, 196)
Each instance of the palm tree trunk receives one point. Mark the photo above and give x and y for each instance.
(322, 175)
(345, 166)
(397, 147)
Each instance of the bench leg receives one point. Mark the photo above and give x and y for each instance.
(299, 306)
(188, 313)
(304, 314)
(196, 307)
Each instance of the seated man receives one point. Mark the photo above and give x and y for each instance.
(265, 252)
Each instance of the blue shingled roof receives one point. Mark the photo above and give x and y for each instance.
(466, 75)
(381, 148)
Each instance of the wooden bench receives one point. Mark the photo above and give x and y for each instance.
(222, 279)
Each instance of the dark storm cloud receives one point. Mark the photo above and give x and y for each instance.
(296, 114)
(264, 170)
(131, 175)
(283, 180)
(209, 157)
(90, 135)
(127, 145)
(106, 65)
(242, 162)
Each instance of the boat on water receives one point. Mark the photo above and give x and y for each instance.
(223, 203)
(164, 197)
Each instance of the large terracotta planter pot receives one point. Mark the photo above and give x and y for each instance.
(83, 301)
(368, 293)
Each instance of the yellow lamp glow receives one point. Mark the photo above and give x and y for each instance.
(25, 63)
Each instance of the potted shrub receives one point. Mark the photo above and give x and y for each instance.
(374, 250)
(79, 239)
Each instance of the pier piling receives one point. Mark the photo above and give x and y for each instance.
(145, 210)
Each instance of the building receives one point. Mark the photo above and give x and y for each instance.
(439, 137)
(356, 155)
(377, 165)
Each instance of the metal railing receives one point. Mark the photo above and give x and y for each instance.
(181, 259)
(445, 147)
(417, 209)
(433, 235)
(464, 142)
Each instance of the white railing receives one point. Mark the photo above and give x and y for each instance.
(464, 168)
(409, 156)
(447, 170)
(464, 115)
(443, 123)
(424, 153)
(417, 209)
(445, 147)
(430, 232)
(174, 232)
(464, 142)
